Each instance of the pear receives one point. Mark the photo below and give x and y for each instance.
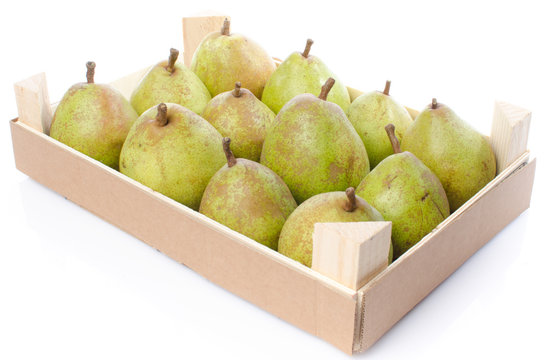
(407, 193)
(460, 157)
(370, 113)
(302, 73)
(223, 58)
(314, 148)
(93, 119)
(173, 151)
(338, 206)
(238, 114)
(248, 198)
(170, 82)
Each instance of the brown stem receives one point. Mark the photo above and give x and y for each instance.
(306, 51)
(90, 74)
(230, 158)
(326, 88)
(225, 30)
(434, 103)
(161, 117)
(387, 88)
(390, 130)
(173, 55)
(236, 91)
(350, 205)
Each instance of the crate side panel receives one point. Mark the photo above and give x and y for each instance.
(256, 276)
(389, 297)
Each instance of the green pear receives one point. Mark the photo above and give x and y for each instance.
(407, 193)
(248, 198)
(173, 151)
(170, 82)
(223, 58)
(370, 113)
(239, 115)
(314, 148)
(460, 157)
(338, 206)
(302, 73)
(93, 119)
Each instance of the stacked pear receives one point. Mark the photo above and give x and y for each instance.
(314, 148)
(407, 193)
(170, 82)
(248, 198)
(460, 157)
(339, 206)
(239, 115)
(93, 119)
(370, 113)
(173, 151)
(223, 58)
(302, 73)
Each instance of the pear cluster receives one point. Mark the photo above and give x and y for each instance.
(268, 151)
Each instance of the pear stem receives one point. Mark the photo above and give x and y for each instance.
(90, 74)
(390, 130)
(350, 205)
(387, 88)
(230, 158)
(326, 88)
(173, 55)
(306, 51)
(434, 103)
(225, 30)
(161, 117)
(236, 92)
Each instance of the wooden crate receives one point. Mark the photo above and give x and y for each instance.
(332, 301)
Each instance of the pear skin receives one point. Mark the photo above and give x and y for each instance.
(223, 58)
(460, 157)
(296, 236)
(93, 119)
(170, 82)
(370, 113)
(173, 151)
(302, 73)
(314, 148)
(248, 198)
(239, 115)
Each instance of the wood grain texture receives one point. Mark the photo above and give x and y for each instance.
(195, 28)
(351, 253)
(509, 133)
(33, 104)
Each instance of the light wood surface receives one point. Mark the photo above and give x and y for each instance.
(351, 253)
(509, 133)
(33, 102)
(195, 28)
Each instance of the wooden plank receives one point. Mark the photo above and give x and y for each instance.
(33, 102)
(195, 28)
(351, 253)
(509, 133)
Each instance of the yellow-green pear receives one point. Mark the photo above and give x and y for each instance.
(302, 73)
(461, 157)
(93, 119)
(170, 82)
(239, 115)
(173, 151)
(314, 148)
(338, 206)
(407, 193)
(222, 58)
(369, 113)
(248, 198)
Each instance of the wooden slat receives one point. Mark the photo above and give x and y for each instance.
(33, 102)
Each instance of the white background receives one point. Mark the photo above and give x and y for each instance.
(74, 287)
